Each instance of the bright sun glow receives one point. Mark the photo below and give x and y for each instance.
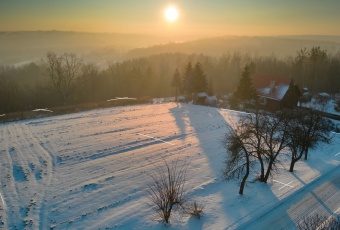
(171, 14)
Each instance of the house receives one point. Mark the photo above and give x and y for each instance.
(275, 93)
(200, 98)
(211, 101)
(323, 97)
(306, 95)
(181, 99)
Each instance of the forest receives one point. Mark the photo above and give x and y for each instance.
(67, 79)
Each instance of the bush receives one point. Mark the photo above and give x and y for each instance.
(167, 189)
(194, 209)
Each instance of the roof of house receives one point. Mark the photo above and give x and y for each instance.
(270, 86)
(324, 94)
(202, 94)
(211, 98)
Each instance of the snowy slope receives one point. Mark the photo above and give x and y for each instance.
(89, 170)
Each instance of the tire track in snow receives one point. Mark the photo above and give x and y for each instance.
(10, 193)
(44, 154)
(31, 173)
(320, 196)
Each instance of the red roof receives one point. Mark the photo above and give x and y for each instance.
(270, 86)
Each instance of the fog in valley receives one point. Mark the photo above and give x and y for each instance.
(17, 48)
(114, 65)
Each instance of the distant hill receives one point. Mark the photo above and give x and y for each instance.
(280, 46)
(16, 47)
(22, 47)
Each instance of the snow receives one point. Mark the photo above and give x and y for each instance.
(326, 106)
(202, 94)
(90, 170)
(122, 98)
(324, 95)
(42, 110)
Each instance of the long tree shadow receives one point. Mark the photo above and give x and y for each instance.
(180, 114)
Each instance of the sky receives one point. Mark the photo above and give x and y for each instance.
(196, 17)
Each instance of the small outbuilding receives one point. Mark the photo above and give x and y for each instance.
(323, 97)
(200, 98)
(211, 100)
(181, 99)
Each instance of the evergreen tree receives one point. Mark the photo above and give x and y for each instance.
(176, 82)
(245, 90)
(199, 80)
(187, 80)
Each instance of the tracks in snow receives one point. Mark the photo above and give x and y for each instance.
(28, 169)
(320, 196)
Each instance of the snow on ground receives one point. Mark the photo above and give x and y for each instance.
(327, 106)
(90, 170)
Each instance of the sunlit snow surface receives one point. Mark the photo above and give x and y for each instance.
(90, 170)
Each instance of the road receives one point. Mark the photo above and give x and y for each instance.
(321, 196)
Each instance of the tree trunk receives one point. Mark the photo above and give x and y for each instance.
(268, 170)
(243, 183)
(306, 154)
(167, 213)
(262, 168)
(176, 94)
(292, 163)
(244, 179)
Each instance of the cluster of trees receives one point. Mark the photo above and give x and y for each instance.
(317, 70)
(259, 139)
(193, 80)
(43, 85)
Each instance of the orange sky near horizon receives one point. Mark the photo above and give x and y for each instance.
(199, 18)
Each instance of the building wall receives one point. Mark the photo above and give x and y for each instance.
(270, 105)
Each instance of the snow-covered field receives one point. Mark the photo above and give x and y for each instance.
(90, 170)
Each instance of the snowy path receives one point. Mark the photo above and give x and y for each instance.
(321, 196)
(28, 170)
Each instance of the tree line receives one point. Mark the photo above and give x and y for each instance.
(61, 79)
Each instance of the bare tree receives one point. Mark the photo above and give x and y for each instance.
(275, 139)
(307, 129)
(259, 136)
(257, 128)
(238, 143)
(320, 222)
(168, 188)
(194, 209)
(63, 70)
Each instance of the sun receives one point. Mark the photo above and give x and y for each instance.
(171, 13)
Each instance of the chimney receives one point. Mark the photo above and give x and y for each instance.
(272, 86)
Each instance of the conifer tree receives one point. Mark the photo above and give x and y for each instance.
(187, 79)
(199, 80)
(176, 82)
(245, 92)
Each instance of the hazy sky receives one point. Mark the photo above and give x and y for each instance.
(197, 17)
